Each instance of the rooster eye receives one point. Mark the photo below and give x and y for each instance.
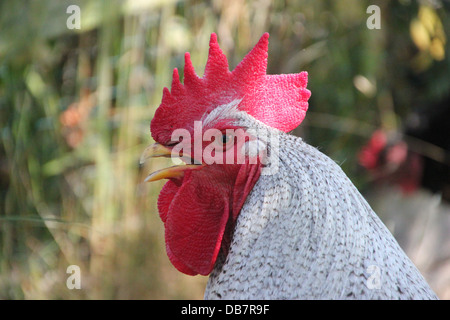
(226, 141)
(227, 138)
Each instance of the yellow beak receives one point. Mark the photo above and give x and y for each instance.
(155, 150)
(158, 150)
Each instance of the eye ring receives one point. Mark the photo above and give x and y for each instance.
(227, 138)
(226, 141)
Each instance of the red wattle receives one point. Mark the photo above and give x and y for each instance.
(197, 213)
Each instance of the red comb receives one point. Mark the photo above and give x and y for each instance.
(279, 101)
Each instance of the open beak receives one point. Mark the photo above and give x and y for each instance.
(158, 150)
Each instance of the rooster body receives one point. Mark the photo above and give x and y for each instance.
(307, 233)
(281, 220)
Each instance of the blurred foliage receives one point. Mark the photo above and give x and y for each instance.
(75, 108)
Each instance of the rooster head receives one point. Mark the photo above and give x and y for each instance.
(207, 122)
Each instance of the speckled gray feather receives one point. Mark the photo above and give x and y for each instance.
(305, 232)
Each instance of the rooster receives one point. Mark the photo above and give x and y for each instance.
(271, 217)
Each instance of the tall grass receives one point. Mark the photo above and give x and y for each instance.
(75, 109)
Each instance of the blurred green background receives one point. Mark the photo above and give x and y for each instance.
(76, 105)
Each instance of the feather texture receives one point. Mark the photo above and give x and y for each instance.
(307, 233)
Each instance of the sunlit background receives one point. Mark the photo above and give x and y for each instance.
(76, 106)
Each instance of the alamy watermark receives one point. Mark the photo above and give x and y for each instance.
(74, 20)
(74, 280)
(374, 280)
(229, 146)
(374, 20)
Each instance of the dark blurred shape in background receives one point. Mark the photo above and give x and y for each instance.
(416, 157)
